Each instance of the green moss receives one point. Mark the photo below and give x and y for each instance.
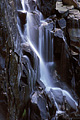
(24, 113)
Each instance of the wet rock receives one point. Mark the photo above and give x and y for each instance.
(61, 53)
(22, 17)
(62, 23)
(9, 60)
(70, 2)
(18, 5)
(26, 50)
(35, 112)
(58, 96)
(62, 116)
(40, 83)
(47, 7)
(2, 62)
(30, 67)
(58, 33)
(51, 104)
(31, 4)
(62, 10)
(73, 18)
(73, 24)
(28, 74)
(58, 41)
(25, 69)
(62, 97)
(38, 107)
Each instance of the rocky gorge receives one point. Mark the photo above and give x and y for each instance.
(56, 35)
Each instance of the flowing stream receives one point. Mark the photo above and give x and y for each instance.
(34, 30)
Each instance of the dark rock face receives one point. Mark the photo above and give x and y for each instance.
(58, 36)
(67, 56)
(61, 55)
(39, 107)
(73, 25)
(47, 7)
(70, 2)
(18, 66)
(22, 17)
(9, 55)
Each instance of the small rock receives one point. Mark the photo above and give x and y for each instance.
(40, 83)
(62, 23)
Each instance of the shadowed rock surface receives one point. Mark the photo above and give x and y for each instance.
(47, 7)
(15, 86)
(70, 2)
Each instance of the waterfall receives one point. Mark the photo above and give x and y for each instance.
(34, 33)
(23, 4)
(32, 28)
(31, 37)
(46, 41)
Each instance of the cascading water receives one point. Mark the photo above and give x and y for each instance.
(23, 5)
(34, 35)
(46, 41)
(31, 34)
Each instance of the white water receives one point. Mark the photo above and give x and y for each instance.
(46, 41)
(69, 98)
(45, 77)
(23, 5)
